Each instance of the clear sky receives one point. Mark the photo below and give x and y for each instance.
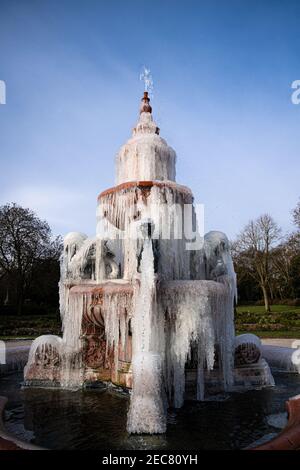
(222, 73)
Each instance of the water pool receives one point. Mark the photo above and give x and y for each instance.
(96, 419)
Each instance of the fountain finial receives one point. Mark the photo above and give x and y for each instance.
(145, 106)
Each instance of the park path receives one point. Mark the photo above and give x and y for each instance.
(17, 343)
(283, 342)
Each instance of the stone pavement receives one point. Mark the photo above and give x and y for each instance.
(16, 355)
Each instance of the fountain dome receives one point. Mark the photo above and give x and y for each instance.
(146, 155)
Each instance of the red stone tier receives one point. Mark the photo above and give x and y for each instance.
(145, 186)
(97, 290)
(93, 311)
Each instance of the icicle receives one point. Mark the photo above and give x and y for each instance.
(117, 308)
(71, 368)
(146, 413)
(198, 312)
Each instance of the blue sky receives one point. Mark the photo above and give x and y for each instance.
(222, 73)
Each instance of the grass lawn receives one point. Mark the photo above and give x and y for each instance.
(28, 326)
(261, 309)
(282, 322)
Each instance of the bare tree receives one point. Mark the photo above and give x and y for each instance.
(285, 258)
(253, 248)
(24, 241)
(296, 215)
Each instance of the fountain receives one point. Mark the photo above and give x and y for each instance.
(144, 306)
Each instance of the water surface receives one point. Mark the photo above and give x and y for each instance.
(96, 419)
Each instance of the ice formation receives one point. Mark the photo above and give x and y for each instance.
(147, 407)
(125, 206)
(156, 160)
(282, 358)
(199, 316)
(138, 307)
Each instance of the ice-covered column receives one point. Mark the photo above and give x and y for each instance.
(147, 413)
(146, 156)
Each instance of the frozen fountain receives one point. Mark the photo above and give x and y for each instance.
(147, 304)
